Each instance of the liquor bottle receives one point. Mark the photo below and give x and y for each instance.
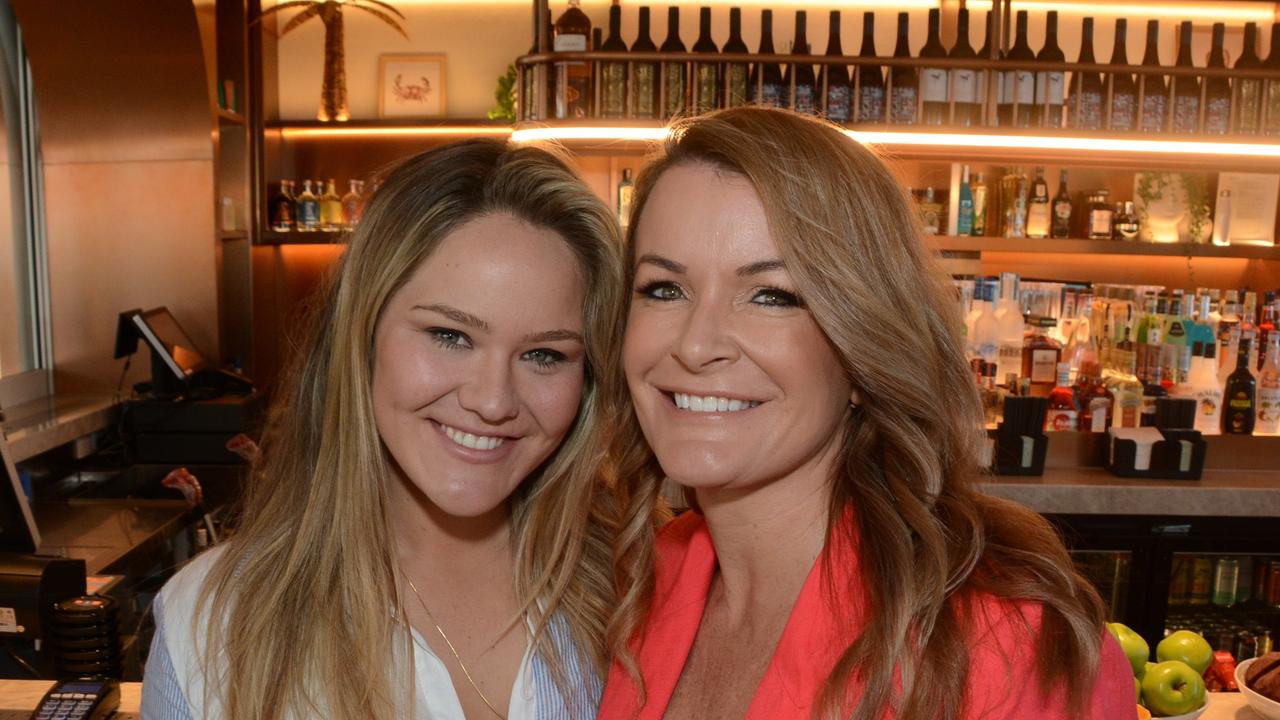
(352, 204)
(675, 81)
(1010, 327)
(736, 72)
(933, 81)
(1186, 90)
(1202, 385)
(1084, 106)
(331, 208)
(1100, 216)
(308, 208)
(1094, 398)
(706, 79)
(800, 74)
(1038, 211)
(1013, 205)
(986, 329)
(871, 104)
(1267, 321)
(979, 189)
(1177, 340)
(626, 194)
(1240, 395)
(1049, 84)
(904, 82)
(985, 78)
(1040, 356)
(1271, 103)
(964, 83)
(1155, 102)
(964, 212)
(573, 79)
(529, 90)
(835, 78)
(1061, 224)
(1124, 385)
(766, 77)
(1217, 91)
(1269, 388)
(1064, 410)
(1249, 109)
(613, 73)
(1125, 222)
(1152, 390)
(282, 207)
(1018, 87)
(644, 75)
(1124, 91)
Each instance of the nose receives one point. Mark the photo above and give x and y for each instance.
(490, 393)
(704, 341)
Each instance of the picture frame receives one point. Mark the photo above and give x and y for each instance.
(411, 86)
(1249, 217)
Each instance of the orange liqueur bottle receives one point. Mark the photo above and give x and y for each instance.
(573, 79)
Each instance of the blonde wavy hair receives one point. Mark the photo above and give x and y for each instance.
(300, 605)
(908, 461)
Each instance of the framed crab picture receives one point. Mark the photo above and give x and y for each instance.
(411, 86)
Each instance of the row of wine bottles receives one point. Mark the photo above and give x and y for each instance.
(1024, 96)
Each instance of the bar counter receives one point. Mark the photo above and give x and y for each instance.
(1095, 491)
(19, 697)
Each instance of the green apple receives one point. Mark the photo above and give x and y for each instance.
(1173, 688)
(1188, 647)
(1135, 648)
(1137, 689)
(1145, 667)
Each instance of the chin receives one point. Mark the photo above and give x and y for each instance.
(466, 505)
(701, 468)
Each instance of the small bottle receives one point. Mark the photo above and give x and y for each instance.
(979, 190)
(282, 208)
(706, 77)
(800, 74)
(904, 95)
(1038, 211)
(675, 79)
(308, 209)
(766, 77)
(964, 212)
(1094, 398)
(644, 75)
(572, 33)
(835, 78)
(1100, 216)
(1062, 208)
(626, 193)
(1152, 389)
(933, 81)
(331, 208)
(352, 204)
(1125, 222)
(613, 73)
(736, 72)
(871, 103)
(1124, 385)
(1040, 356)
(1240, 395)
(1269, 388)
(1064, 411)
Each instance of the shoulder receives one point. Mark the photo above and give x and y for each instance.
(180, 596)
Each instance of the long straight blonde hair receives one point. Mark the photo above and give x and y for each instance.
(302, 609)
(929, 541)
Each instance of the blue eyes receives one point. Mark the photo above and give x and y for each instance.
(667, 291)
(544, 358)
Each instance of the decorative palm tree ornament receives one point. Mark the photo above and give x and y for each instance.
(333, 94)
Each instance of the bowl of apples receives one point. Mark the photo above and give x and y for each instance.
(1172, 687)
(1259, 682)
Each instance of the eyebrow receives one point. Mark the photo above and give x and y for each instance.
(664, 263)
(762, 266)
(456, 315)
(553, 336)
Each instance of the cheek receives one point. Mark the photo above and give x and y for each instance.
(643, 343)
(803, 361)
(409, 372)
(554, 400)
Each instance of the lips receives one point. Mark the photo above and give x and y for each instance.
(471, 440)
(692, 402)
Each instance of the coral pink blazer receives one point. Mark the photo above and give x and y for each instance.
(1002, 681)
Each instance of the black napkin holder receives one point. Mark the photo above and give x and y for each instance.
(1166, 456)
(1017, 454)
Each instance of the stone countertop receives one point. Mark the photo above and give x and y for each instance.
(1094, 491)
(34, 427)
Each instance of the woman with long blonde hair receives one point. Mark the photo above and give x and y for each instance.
(793, 360)
(427, 532)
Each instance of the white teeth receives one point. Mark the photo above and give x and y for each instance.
(475, 442)
(711, 403)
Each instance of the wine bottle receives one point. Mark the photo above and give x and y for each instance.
(675, 81)
(1155, 103)
(644, 75)
(964, 212)
(835, 78)
(1271, 104)
(904, 82)
(1249, 110)
(1084, 107)
(964, 83)
(984, 77)
(1217, 91)
(1061, 228)
(1186, 90)
(1124, 91)
(1049, 83)
(529, 88)
(1018, 87)
(871, 77)
(613, 73)
(573, 79)
(736, 72)
(766, 77)
(1240, 396)
(933, 81)
(282, 207)
(706, 87)
(799, 77)
(1038, 210)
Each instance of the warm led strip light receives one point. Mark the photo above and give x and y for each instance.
(1032, 142)
(594, 4)
(339, 131)
(1263, 12)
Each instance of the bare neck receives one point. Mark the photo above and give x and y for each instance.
(445, 551)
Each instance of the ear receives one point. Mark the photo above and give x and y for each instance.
(855, 398)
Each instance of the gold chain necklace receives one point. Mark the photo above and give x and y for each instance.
(466, 673)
